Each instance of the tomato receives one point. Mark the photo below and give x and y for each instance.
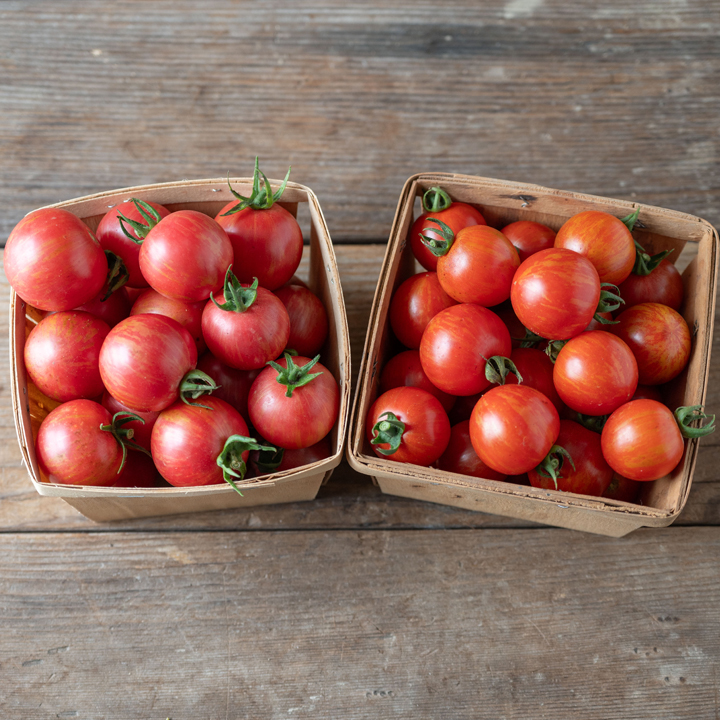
(641, 440)
(53, 261)
(111, 236)
(555, 293)
(463, 407)
(188, 314)
(301, 418)
(111, 309)
(647, 392)
(604, 239)
(622, 488)
(185, 256)
(591, 474)
(460, 456)
(663, 285)
(144, 361)
(62, 355)
(412, 423)
(595, 373)
(658, 337)
(308, 319)
(529, 237)
(139, 471)
(517, 330)
(189, 440)
(141, 430)
(536, 370)
(596, 324)
(455, 215)
(414, 304)
(456, 344)
(513, 427)
(247, 326)
(233, 385)
(280, 460)
(80, 443)
(406, 369)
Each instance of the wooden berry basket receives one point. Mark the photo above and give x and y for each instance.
(503, 202)
(106, 503)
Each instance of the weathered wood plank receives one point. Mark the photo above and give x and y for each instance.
(459, 624)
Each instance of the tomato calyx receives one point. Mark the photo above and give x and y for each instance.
(124, 435)
(117, 275)
(237, 298)
(610, 301)
(269, 460)
(497, 368)
(435, 246)
(596, 423)
(230, 459)
(530, 340)
(388, 431)
(629, 220)
(646, 263)
(692, 413)
(293, 376)
(262, 197)
(435, 200)
(552, 464)
(553, 349)
(195, 384)
(151, 216)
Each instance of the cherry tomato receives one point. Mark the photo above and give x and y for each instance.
(604, 240)
(112, 310)
(460, 456)
(282, 460)
(595, 324)
(595, 373)
(663, 285)
(513, 427)
(463, 407)
(622, 488)
(658, 337)
(308, 319)
(456, 344)
(141, 430)
(529, 237)
(234, 385)
(62, 354)
(536, 370)
(426, 431)
(555, 293)
(647, 392)
(139, 471)
(53, 261)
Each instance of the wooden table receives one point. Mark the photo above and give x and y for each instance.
(357, 605)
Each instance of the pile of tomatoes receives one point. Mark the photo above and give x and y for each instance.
(534, 356)
(145, 319)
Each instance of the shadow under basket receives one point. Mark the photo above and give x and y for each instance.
(501, 203)
(102, 504)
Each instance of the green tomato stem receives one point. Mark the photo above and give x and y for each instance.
(237, 298)
(552, 464)
(194, 384)
(262, 196)
(692, 413)
(151, 216)
(435, 246)
(497, 368)
(388, 431)
(435, 200)
(293, 376)
(230, 459)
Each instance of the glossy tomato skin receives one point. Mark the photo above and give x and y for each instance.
(404, 369)
(53, 261)
(111, 237)
(296, 458)
(141, 431)
(479, 267)
(308, 319)
(187, 439)
(663, 285)
(298, 421)
(234, 384)
(591, 475)
(460, 456)
(513, 427)
(659, 339)
(427, 428)
(604, 240)
(111, 310)
(555, 293)
(641, 440)
(415, 302)
(143, 360)
(185, 256)
(228, 333)
(529, 237)
(188, 314)
(267, 244)
(62, 355)
(456, 217)
(456, 344)
(595, 373)
(536, 369)
(73, 450)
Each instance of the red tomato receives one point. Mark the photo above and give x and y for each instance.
(536, 370)
(463, 407)
(456, 344)
(233, 385)
(622, 488)
(281, 460)
(305, 417)
(308, 319)
(144, 360)
(641, 440)
(529, 237)
(405, 369)
(62, 354)
(513, 427)
(139, 471)
(141, 431)
(517, 330)
(663, 285)
(417, 428)
(112, 310)
(595, 373)
(111, 236)
(185, 256)
(647, 392)
(658, 337)
(595, 324)
(591, 475)
(604, 240)
(460, 456)
(53, 261)
(414, 304)
(188, 314)
(555, 293)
